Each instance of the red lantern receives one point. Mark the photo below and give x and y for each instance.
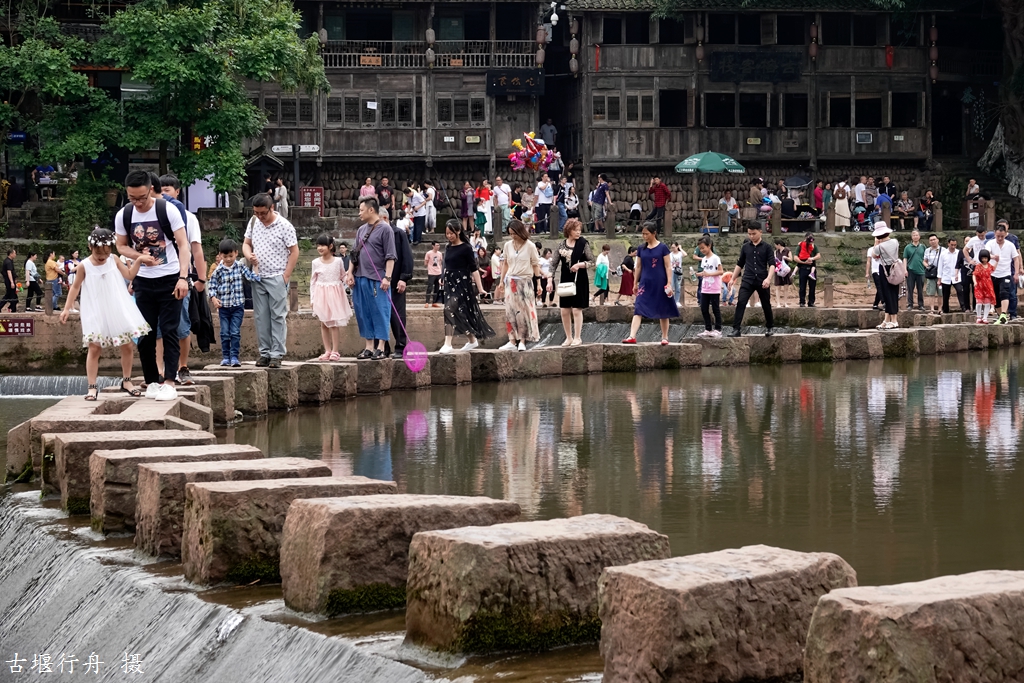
(814, 30)
(890, 53)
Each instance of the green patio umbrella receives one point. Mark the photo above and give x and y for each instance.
(709, 162)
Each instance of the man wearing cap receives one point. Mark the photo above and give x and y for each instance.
(971, 251)
(757, 265)
(1005, 257)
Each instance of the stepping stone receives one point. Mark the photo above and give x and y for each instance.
(523, 586)
(71, 454)
(283, 388)
(450, 368)
(252, 387)
(160, 501)
(114, 477)
(951, 628)
(732, 615)
(222, 397)
(233, 528)
(343, 555)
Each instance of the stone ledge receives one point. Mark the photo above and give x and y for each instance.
(252, 387)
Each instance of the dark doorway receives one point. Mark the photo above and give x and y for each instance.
(947, 121)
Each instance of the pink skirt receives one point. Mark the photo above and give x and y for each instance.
(330, 304)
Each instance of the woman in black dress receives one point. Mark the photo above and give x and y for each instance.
(574, 257)
(461, 309)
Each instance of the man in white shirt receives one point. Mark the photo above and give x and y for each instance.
(548, 132)
(1005, 256)
(858, 192)
(171, 186)
(543, 195)
(950, 275)
(418, 204)
(503, 195)
(150, 230)
(971, 250)
(732, 208)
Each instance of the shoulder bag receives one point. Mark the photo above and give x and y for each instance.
(897, 273)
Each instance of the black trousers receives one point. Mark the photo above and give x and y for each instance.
(541, 216)
(657, 215)
(10, 298)
(710, 301)
(890, 293)
(805, 280)
(397, 325)
(967, 282)
(877, 279)
(960, 295)
(747, 289)
(433, 285)
(155, 298)
(34, 290)
(915, 280)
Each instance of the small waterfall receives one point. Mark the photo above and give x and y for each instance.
(552, 334)
(49, 386)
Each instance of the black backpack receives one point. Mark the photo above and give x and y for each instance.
(161, 216)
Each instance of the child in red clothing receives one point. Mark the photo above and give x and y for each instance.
(984, 293)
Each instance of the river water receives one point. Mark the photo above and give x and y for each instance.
(908, 469)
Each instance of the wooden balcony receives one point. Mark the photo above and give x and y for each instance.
(450, 54)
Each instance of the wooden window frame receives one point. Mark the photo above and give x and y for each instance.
(605, 95)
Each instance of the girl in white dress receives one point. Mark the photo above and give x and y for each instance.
(109, 315)
(327, 296)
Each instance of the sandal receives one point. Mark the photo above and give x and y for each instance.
(131, 392)
(93, 393)
(324, 356)
(335, 357)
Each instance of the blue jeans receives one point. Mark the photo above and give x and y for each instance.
(732, 213)
(677, 282)
(56, 292)
(231, 330)
(562, 216)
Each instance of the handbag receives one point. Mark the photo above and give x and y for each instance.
(566, 290)
(897, 273)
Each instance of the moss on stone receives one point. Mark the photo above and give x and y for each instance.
(671, 364)
(78, 505)
(22, 477)
(518, 629)
(619, 362)
(255, 568)
(898, 345)
(374, 597)
(816, 351)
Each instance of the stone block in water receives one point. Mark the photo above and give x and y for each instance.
(344, 555)
(374, 377)
(346, 382)
(232, 529)
(195, 413)
(931, 341)
(114, 477)
(899, 343)
(222, 397)
(251, 388)
(780, 348)
(870, 318)
(451, 368)
(521, 586)
(724, 351)
(619, 357)
(585, 359)
(951, 628)
(160, 501)
(977, 337)
(689, 355)
(71, 454)
(282, 387)
(728, 616)
(315, 382)
(954, 337)
(821, 348)
(863, 346)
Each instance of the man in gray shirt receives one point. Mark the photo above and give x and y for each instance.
(369, 276)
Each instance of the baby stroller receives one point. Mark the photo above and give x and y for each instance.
(861, 223)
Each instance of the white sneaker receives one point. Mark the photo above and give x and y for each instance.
(510, 346)
(166, 393)
(715, 333)
(447, 348)
(470, 346)
(522, 346)
(153, 389)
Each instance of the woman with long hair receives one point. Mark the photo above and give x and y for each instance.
(483, 265)
(518, 270)
(461, 309)
(654, 296)
(574, 256)
(281, 198)
(626, 283)
(468, 197)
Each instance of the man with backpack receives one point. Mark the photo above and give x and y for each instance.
(149, 231)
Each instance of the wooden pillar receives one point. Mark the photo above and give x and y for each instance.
(293, 296)
(667, 227)
(695, 188)
(776, 219)
(830, 219)
(723, 217)
(887, 214)
(936, 216)
(829, 290)
(48, 296)
(990, 214)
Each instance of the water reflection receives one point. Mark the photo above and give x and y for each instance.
(906, 468)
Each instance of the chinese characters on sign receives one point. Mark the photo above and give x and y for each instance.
(312, 196)
(756, 66)
(48, 664)
(515, 82)
(201, 142)
(16, 327)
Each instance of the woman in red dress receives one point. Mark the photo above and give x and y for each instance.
(626, 286)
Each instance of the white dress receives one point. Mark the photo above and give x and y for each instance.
(108, 313)
(281, 197)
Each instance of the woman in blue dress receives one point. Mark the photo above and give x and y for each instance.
(654, 295)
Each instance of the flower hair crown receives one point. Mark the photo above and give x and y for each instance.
(101, 238)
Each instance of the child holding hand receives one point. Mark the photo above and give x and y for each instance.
(228, 296)
(327, 296)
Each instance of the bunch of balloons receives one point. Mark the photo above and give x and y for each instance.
(531, 153)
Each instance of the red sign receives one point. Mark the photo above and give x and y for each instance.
(312, 196)
(17, 327)
(201, 142)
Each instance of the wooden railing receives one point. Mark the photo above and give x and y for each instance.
(457, 54)
(961, 62)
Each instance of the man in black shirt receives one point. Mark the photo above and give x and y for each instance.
(757, 264)
(888, 187)
(10, 283)
(385, 195)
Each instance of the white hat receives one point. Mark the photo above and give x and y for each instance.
(881, 229)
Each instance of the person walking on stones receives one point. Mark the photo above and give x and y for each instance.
(462, 313)
(984, 288)
(281, 198)
(150, 230)
(931, 272)
(1005, 259)
(418, 204)
(871, 272)
(782, 256)
(434, 261)
(369, 275)
(271, 245)
(654, 296)
(327, 297)
(53, 276)
(951, 265)
(626, 279)
(430, 197)
(503, 197)
(110, 317)
(10, 282)
(519, 267)
(227, 296)
(757, 266)
(806, 255)
(32, 281)
(913, 259)
(710, 275)
(661, 195)
(971, 250)
(887, 252)
(575, 257)
(403, 268)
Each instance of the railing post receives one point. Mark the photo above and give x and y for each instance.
(776, 219)
(887, 213)
(293, 296)
(829, 290)
(937, 216)
(48, 297)
(990, 214)
(830, 219)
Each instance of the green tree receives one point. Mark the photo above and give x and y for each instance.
(195, 56)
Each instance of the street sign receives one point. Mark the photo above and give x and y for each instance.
(287, 149)
(17, 136)
(312, 196)
(309, 149)
(281, 149)
(17, 327)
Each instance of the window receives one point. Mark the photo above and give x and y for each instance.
(305, 111)
(477, 110)
(835, 29)
(672, 108)
(334, 24)
(749, 29)
(270, 107)
(638, 29)
(794, 110)
(632, 108)
(869, 111)
(838, 111)
(904, 30)
(790, 30)
(614, 107)
(461, 109)
(719, 110)
(352, 110)
(600, 109)
(509, 21)
(335, 109)
(404, 111)
(288, 110)
(865, 30)
(478, 24)
(753, 110)
(647, 108)
(672, 32)
(612, 30)
(387, 111)
(254, 100)
(419, 111)
(905, 110)
(606, 107)
(721, 29)
(368, 24)
(444, 110)
(369, 115)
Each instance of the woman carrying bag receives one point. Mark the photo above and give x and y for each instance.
(574, 257)
(892, 273)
